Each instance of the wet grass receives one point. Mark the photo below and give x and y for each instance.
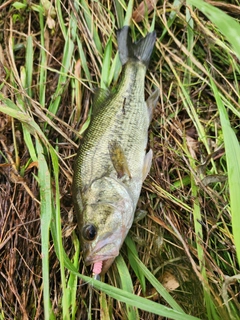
(182, 260)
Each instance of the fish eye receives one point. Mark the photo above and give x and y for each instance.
(89, 232)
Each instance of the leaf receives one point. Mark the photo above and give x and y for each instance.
(19, 5)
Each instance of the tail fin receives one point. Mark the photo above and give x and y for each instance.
(140, 50)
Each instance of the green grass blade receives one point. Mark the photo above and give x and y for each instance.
(197, 217)
(115, 69)
(46, 215)
(155, 283)
(104, 305)
(229, 27)
(133, 300)
(128, 16)
(69, 299)
(84, 63)
(29, 143)
(91, 26)
(65, 306)
(63, 77)
(177, 4)
(152, 28)
(73, 280)
(29, 65)
(60, 17)
(132, 251)
(67, 62)
(26, 132)
(119, 13)
(190, 44)
(139, 302)
(129, 298)
(232, 150)
(126, 284)
(43, 63)
(105, 80)
(9, 108)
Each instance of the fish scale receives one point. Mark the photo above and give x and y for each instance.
(111, 162)
(124, 129)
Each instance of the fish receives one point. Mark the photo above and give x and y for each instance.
(112, 162)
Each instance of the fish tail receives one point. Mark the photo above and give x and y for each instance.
(140, 51)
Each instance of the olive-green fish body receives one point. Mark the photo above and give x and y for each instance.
(112, 163)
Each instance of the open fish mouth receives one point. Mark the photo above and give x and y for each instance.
(104, 252)
(106, 248)
(101, 263)
(101, 257)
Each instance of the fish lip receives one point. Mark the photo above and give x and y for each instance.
(99, 258)
(109, 239)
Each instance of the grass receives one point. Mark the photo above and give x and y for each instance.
(182, 260)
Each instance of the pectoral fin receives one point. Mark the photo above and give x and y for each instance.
(118, 159)
(152, 103)
(147, 164)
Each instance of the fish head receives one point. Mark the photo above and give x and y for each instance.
(105, 225)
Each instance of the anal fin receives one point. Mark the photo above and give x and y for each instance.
(147, 164)
(118, 159)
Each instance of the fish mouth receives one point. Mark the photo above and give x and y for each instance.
(105, 250)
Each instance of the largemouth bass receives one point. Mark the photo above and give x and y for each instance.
(112, 163)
